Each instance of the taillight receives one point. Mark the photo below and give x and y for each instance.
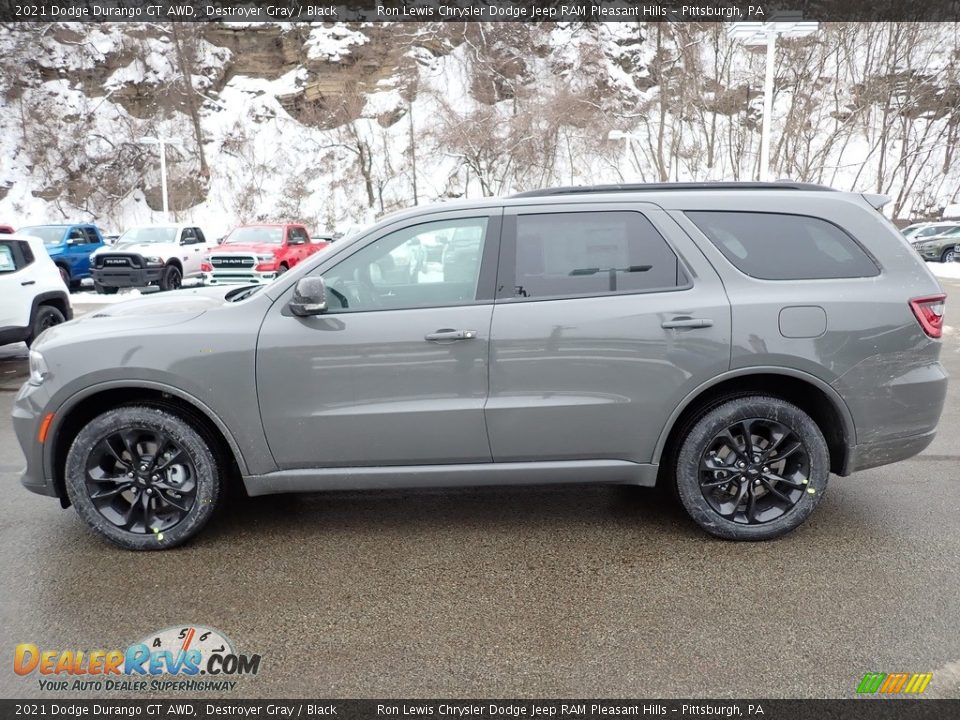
(929, 312)
(206, 267)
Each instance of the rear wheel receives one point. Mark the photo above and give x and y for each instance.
(753, 468)
(143, 478)
(47, 316)
(171, 279)
(949, 255)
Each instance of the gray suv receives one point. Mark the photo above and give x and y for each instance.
(734, 342)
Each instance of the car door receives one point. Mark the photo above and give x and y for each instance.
(297, 239)
(191, 250)
(396, 371)
(607, 316)
(18, 283)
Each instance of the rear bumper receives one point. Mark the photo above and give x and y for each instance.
(863, 457)
(127, 277)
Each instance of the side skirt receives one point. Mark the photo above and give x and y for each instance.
(467, 475)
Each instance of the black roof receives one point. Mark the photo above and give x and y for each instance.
(667, 187)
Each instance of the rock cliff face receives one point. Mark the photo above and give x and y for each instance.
(334, 124)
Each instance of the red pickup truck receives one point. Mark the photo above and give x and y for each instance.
(256, 254)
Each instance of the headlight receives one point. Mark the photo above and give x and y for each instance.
(154, 260)
(267, 257)
(38, 368)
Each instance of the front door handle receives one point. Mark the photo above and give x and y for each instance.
(449, 335)
(28, 282)
(687, 322)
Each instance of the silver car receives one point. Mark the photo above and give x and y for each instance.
(735, 342)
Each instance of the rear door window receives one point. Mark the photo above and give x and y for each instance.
(591, 253)
(777, 246)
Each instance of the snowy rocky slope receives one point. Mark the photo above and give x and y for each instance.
(336, 124)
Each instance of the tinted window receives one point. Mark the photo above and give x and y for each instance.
(774, 246)
(14, 256)
(7, 262)
(592, 253)
(396, 272)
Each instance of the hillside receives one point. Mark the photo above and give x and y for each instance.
(336, 124)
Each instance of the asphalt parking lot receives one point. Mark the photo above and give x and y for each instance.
(543, 592)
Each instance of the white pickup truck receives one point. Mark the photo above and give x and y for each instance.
(161, 255)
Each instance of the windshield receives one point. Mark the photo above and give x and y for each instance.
(255, 236)
(151, 234)
(50, 234)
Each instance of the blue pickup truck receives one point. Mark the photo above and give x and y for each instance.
(69, 247)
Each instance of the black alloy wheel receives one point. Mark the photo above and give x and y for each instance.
(143, 477)
(754, 471)
(752, 467)
(141, 480)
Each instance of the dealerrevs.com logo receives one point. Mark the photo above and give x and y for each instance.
(183, 658)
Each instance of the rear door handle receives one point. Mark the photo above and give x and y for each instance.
(28, 282)
(449, 335)
(687, 322)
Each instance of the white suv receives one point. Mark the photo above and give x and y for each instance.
(34, 295)
(160, 255)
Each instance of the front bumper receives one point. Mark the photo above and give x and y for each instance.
(238, 277)
(121, 277)
(29, 408)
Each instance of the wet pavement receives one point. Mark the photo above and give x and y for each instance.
(570, 591)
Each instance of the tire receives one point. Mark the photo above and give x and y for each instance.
(759, 500)
(163, 507)
(949, 255)
(64, 274)
(104, 289)
(47, 316)
(281, 270)
(171, 279)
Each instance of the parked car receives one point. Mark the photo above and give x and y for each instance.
(737, 342)
(940, 247)
(6, 230)
(70, 248)
(255, 254)
(161, 255)
(922, 230)
(34, 295)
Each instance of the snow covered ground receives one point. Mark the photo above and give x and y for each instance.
(945, 270)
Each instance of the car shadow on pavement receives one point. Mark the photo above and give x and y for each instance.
(494, 509)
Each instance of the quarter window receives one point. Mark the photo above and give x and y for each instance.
(777, 246)
(428, 265)
(592, 253)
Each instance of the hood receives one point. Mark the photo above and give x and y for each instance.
(134, 247)
(189, 300)
(255, 248)
(152, 311)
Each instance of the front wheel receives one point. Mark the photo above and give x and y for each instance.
(47, 316)
(143, 478)
(171, 279)
(104, 289)
(753, 468)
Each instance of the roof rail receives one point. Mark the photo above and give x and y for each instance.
(666, 187)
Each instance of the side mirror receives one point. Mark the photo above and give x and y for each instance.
(295, 241)
(221, 239)
(309, 297)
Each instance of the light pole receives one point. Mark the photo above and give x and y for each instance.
(162, 142)
(765, 33)
(626, 137)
